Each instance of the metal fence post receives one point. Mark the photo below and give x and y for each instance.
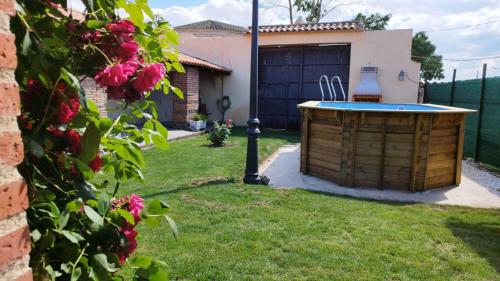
(481, 107)
(453, 86)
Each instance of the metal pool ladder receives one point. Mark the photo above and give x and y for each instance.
(330, 85)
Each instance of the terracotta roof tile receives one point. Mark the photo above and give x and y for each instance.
(322, 26)
(192, 61)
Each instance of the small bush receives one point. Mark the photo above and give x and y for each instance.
(219, 134)
(200, 117)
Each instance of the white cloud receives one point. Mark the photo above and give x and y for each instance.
(481, 41)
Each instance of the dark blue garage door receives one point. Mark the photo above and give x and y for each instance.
(289, 76)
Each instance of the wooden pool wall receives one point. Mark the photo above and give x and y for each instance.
(393, 150)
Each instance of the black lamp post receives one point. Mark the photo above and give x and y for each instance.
(252, 167)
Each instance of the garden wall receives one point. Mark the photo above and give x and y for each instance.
(14, 232)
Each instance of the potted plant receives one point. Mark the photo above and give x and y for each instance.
(199, 122)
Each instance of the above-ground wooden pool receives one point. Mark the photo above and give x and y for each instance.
(409, 147)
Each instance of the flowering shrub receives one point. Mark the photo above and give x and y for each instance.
(79, 228)
(219, 134)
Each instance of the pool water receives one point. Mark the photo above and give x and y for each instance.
(379, 106)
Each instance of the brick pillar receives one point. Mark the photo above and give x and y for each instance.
(14, 232)
(185, 109)
(96, 94)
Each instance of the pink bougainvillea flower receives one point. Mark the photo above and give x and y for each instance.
(96, 164)
(116, 75)
(125, 26)
(127, 50)
(74, 141)
(135, 206)
(68, 110)
(149, 77)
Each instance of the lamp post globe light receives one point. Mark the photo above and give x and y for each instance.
(252, 164)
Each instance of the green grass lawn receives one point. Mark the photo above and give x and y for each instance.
(229, 231)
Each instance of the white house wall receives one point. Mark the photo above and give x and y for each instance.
(390, 50)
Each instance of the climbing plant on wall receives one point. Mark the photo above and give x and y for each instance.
(80, 229)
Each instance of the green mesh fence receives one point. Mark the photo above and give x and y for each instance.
(468, 95)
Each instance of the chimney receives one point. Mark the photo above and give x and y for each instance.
(368, 84)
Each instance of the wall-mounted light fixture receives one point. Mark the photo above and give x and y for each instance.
(402, 75)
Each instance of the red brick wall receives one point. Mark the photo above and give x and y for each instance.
(185, 109)
(14, 232)
(96, 94)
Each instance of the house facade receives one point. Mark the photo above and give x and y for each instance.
(292, 59)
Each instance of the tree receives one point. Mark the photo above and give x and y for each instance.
(374, 21)
(315, 10)
(423, 51)
(284, 4)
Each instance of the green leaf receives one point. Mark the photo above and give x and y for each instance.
(73, 237)
(103, 204)
(86, 190)
(172, 36)
(93, 24)
(178, 67)
(141, 261)
(93, 215)
(36, 149)
(102, 261)
(90, 143)
(63, 219)
(157, 274)
(36, 235)
(173, 226)
(131, 153)
(71, 79)
(105, 124)
(26, 44)
(92, 106)
(126, 215)
(85, 169)
(75, 275)
(178, 92)
(74, 205)
(155, 208)
(44, 195)
(159, 140)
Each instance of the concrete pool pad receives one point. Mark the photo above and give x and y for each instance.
(479, 188)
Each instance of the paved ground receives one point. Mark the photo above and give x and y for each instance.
(180, 134)
(479, 188)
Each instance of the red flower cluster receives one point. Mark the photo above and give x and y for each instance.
(68, 110)
(96, 164)
(133, 204)
(128, 78)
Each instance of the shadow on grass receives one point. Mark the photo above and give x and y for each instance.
(194, 185)
(484, 238)
(388, 202)
(288, 136)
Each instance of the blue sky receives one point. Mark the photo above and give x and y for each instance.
(475, 42)
(167, 3)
